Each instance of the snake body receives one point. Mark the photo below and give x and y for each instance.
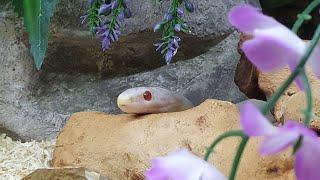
(152, 100)
(145, 100)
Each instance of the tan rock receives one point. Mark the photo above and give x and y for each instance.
(64, 173)
(291, 108)
(122, 146)
(269, 82)
(292, 103)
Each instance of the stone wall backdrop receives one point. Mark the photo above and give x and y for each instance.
(78, 76)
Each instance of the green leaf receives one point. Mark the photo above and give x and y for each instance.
(18, 7)
(275, 3)
(304, 16)
(37, 14)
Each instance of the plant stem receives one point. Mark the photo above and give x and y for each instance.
(175, 5)
(274, 98)
(115, 14)
(221, 137)
(308, 92)
(93, 16)
(237, 157)
(304, 78)
(307, 11)
(169, 29)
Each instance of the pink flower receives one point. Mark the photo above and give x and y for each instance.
(182, 165)
(276, 139)
(273, 45)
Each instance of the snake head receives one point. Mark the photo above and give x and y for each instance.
(136, 100)
(143, 100)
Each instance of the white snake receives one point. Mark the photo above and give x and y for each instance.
(145, 100)
(152, 100)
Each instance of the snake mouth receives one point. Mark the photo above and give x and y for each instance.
(123, 101)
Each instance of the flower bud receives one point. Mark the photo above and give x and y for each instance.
(156, 28)
(127, 13)
(189, 6)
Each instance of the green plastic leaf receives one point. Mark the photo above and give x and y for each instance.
(37, 14)
(275, 3)
(18, 7)
(305, 16)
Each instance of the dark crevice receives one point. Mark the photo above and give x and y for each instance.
(9, 133)
(71, 53)
(287, 15)
(246, 75)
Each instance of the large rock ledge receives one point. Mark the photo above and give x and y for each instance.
(77, 76)
(36, 104)
(122, 146)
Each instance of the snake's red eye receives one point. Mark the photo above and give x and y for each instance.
(147, 95)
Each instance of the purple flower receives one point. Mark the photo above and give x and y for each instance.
(172, 22)
(177, 27)
(114, 4)
(182, 165)
(168, 17)
(120, 17)
(171, 48)
(189, 6)
(180, 11)
(169, 55)
(84, 19)
(105, 43)
(156, 28)
(176, 41)
(273, 45)
(104, 8)
(159, 46)
(105, 35)
(277, 139)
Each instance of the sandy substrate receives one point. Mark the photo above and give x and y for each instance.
(19, 159)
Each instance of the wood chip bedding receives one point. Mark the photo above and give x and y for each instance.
(18, 159)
